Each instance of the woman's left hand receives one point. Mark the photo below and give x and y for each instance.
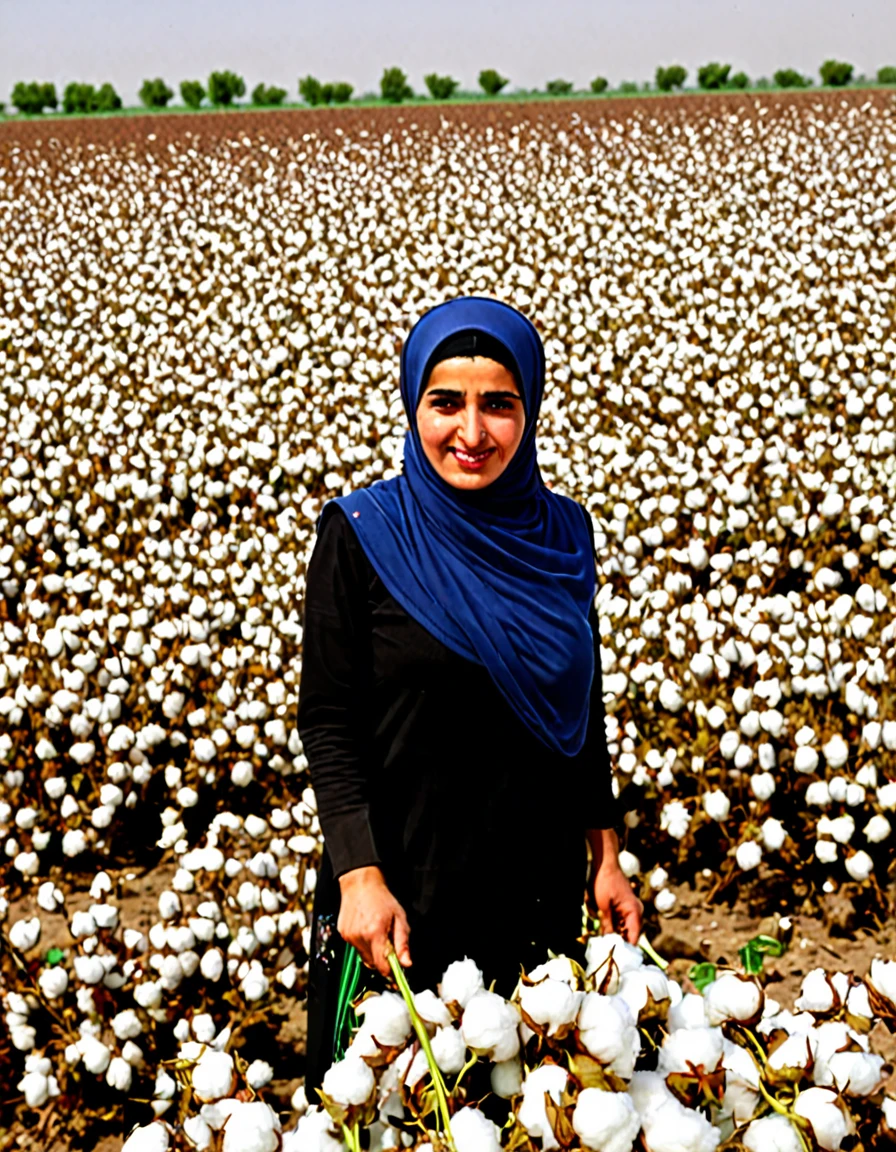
(620, 909)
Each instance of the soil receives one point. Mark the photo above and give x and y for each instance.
(279, 126)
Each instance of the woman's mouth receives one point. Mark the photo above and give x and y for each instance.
(473, 460)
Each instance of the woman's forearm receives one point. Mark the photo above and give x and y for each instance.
(604, 847)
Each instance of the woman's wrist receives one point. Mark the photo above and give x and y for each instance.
(361, 877)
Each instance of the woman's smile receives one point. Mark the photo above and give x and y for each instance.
(472, 460)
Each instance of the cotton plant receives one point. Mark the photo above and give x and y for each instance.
(728, 1065)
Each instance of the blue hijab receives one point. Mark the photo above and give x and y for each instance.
(503, 576)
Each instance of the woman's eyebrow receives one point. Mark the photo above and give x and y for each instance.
(455, 392)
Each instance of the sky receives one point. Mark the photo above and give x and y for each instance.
(529, 41)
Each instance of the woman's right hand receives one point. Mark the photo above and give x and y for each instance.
(371, 919)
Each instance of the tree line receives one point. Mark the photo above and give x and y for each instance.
(224, 88)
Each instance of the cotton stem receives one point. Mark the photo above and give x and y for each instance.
(423, 1037)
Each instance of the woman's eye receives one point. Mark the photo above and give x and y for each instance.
(443, 402)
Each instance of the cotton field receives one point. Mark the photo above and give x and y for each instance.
(199, 336)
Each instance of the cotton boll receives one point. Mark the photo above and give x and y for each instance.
(148, 1138)
(762, 785)
(386, 1017)
(449, 1049)
(817, 993)
(550, 1003)
(670, 696)
(772, 1133)
(506, 1078)
(670, 1127)
(731, 997)
(213, 1076)
(119, 1074)
(24, 934)
(629, 863)
(212, 964)
(53, 982)
(805, 759)
(609, 956)
(37, 1086)
(852, 1073)
(741, 1095)
(489, 1026)
(859, 866)
(608, 1032)
(716, 805)
(126, 1024)
(550, 1078)
(431, 1009)
(349, 1082)
(461, 981)
(773, 834)
(314, 1133)
(95, 1055)
(829, 1120)
(675, 819)
(252, 1126)
(474, 1132)
(687, 1049)
(605, 1121)
(689, 1012)
(89, 969)
(748, 855)
(877, 829)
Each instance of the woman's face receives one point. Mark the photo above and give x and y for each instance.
(471, 420)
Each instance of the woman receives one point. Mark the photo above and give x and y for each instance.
(450, 704)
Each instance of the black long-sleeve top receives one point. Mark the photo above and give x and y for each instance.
(418, 763)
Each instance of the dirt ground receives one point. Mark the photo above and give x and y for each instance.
(279, 126)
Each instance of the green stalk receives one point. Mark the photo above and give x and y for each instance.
(423, 1036)
(783, 1111)
(645, 946)
(466, 1068)
(352, 1137)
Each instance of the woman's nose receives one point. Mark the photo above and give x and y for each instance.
(471, 428)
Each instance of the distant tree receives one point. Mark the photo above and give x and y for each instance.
(762, 83)
(739, 80)
(224, 87)
(155, 93)
(394, 86)
(192, 93)
(341, 92)
(440, 87)
(835, 73)
(79, 97)
(107, 99)
(491, 81)
(628, 86)
(599, 84)
(790, 78)
(267, 97)
(558, 87)
(310, 90)
(32, 98)
(885, 75)
(671, 77)
(713, 76)
(2, 107)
